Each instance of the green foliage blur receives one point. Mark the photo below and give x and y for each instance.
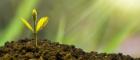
(93, 25)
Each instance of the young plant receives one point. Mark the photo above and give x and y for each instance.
(37, 26)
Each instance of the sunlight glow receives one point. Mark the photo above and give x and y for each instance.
(126, 4)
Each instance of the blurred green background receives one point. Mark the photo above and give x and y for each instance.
(110, 26)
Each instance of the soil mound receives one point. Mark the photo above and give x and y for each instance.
(26, 50)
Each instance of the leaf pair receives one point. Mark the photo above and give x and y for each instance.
(40, 24)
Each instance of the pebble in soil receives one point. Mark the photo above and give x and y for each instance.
(26, 50)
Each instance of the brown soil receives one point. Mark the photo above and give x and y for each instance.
(25, 50)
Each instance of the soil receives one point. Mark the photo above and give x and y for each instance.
(25, 49)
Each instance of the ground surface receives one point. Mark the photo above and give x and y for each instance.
(25, 50)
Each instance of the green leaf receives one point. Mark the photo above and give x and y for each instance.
(27, 24)
(41, 23)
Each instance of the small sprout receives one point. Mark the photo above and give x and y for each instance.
(37, 27)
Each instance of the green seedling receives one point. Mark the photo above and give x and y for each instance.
(37, 26)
